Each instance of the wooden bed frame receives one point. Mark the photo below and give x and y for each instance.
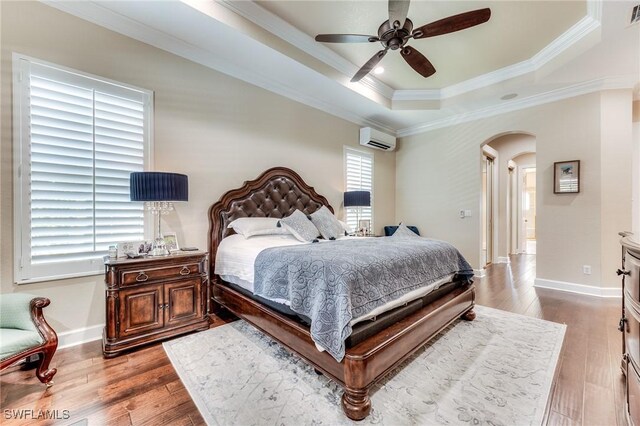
(277, 193)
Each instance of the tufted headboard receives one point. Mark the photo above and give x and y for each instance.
(277, 192)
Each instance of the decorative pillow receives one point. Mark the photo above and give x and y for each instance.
(404, 232)
(328, 225)
(300, 226)
(250, 226)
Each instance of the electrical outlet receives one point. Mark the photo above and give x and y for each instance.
(586, 269)
(467, 213)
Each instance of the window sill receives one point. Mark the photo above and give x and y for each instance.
(59, 277)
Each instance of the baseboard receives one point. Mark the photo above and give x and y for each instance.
(578, 288)
(67, 339)
(479, 273)
(503, 259)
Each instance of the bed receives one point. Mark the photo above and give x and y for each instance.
(375, 347)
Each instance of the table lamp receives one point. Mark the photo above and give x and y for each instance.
(159, 190)
(357, 199)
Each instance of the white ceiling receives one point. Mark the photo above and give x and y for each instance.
(249, 42)
(516, 31)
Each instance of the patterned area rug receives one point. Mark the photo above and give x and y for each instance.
(496, 370)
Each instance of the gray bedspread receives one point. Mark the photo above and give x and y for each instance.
(333, 282)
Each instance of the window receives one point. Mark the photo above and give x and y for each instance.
(77, 138)
(358, 167)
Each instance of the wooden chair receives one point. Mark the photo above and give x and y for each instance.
(24, 332)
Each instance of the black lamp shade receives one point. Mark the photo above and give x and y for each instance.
(357, 199)
(159, 186)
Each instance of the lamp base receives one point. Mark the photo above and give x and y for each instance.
(158, 252)
(159, 247)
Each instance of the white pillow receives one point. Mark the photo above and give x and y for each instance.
(250, 226)
(328, 225)
(404, 232)
(300, 226)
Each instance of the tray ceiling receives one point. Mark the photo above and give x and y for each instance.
(516, 31)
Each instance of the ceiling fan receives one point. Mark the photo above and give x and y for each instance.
(395, 32)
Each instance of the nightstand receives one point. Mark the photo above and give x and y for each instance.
(153, 298)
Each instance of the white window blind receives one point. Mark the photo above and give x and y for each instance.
(358, 177)
(78, 137)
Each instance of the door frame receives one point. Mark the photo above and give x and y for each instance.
(522, 231)
(492, 235)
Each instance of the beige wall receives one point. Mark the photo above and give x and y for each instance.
(218, 130)
(438, 173)
(508, 147)
(615, 181)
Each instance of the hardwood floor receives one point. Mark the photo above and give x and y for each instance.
(142, 387)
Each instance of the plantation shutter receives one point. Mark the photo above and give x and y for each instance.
(80, 137)
(359, 177)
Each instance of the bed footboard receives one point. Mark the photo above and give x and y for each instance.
(365, 363)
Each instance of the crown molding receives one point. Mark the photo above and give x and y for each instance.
(549, 52)
(114, 21)
(417, 95)
(281, 28)
(580, 30)
(609, 83)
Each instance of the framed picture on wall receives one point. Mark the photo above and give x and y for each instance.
(566, 177)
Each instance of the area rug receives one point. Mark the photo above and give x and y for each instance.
(495, 370)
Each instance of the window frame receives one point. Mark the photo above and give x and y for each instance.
(24, 271)
(361, 153)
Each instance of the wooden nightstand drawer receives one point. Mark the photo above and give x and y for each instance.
(162, 273)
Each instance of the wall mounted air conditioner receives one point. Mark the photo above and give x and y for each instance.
(377, 140)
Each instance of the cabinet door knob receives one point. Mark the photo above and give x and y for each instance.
(623, 272)
(160, 307)
(185, 270)
(142, 277)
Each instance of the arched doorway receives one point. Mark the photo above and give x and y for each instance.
(507, 196)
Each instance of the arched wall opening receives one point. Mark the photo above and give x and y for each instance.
(503, 222)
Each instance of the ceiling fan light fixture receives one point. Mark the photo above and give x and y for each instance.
(395, 32)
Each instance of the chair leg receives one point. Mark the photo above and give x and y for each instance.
(44, 374)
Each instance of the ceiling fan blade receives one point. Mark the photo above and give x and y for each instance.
(453, 23)
(346, 38)
(418, 61)
(398, 10)
(371, 63)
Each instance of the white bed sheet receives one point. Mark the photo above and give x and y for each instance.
(236, 256)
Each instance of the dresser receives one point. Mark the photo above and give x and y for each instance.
(630, 325)
(153, 298)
